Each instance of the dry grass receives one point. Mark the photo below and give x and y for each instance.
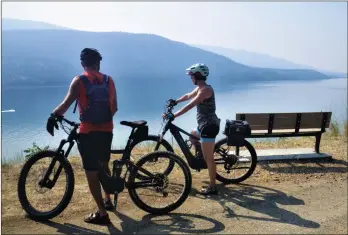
(334, 129)
(302, 170)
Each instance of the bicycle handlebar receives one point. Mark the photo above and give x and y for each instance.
(61, 118)
(169, 106)
(71, 123)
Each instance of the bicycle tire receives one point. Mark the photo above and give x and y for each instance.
(31, 211)
(253, 155)
(164, 143)
(171, 207)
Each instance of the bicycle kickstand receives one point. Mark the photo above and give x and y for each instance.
(115, 200)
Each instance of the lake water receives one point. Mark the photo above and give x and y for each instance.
(33, 105)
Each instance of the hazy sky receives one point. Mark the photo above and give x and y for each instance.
(312, 33)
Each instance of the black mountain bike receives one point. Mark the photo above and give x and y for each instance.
(227, 161)
(135, 177)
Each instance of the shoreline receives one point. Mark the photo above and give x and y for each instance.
(332, 134)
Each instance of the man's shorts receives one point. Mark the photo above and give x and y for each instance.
(94, 148)
(208, 132)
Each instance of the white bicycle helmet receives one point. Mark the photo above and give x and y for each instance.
(200, 68)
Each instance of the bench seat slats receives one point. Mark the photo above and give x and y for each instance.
(285, 121)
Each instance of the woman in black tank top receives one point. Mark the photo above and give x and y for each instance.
(208, 124)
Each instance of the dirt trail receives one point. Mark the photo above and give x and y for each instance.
(307, 197)
(316, 206)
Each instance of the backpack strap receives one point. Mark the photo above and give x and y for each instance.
(106, 79)
(86, 83)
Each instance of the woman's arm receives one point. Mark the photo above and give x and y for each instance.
(201, 95)
(187, 96)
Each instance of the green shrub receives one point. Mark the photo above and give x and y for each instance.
(31, 151)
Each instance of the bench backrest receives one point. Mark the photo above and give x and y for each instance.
(286, 121)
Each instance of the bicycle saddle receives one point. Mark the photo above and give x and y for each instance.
(134, 124)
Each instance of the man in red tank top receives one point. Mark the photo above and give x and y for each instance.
(94, 141)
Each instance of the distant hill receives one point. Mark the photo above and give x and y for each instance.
(16, 24)
(145, 64)
(262, 60)
(138, 56)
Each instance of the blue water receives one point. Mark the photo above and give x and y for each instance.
(33, 105)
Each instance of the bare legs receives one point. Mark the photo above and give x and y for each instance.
(94, 187)
(208, 153)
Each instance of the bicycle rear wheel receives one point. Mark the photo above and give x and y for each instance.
(157, 183)
(34, 208)
(234, 165)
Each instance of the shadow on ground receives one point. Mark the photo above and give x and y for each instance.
(299, 166)
(68, 228)
(259, 199)
(171, 223)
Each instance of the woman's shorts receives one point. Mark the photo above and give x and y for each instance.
(208, 132)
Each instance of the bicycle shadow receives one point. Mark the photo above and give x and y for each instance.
(68, 228)
(175, 222)
(261, 200)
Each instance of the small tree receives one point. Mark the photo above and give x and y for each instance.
(32, 150)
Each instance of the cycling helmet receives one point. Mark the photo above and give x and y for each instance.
(90, 56)
(202, 69)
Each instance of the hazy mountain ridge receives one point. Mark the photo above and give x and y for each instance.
(51, 56)
(15, 24)
(259, 60)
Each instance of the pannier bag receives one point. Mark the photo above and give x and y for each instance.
(236, 132)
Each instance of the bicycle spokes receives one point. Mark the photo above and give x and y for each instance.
(45, 193)
(160, 189)
(232, 162)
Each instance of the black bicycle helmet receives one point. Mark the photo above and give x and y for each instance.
(90, 57)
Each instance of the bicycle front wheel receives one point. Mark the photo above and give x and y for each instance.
(148, 191)
(150, 144)
(56, 193)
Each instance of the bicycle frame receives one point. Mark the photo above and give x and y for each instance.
(196, 163)
(72, 137)
(126, 151)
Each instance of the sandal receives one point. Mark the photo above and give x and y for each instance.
(95, 218)
(207, 190)
(108, 204)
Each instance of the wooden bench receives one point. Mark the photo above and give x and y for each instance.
(269, 125)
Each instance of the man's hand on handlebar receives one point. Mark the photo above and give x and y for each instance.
(52, 122)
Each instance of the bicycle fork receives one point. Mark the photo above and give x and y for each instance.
(46, 182)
